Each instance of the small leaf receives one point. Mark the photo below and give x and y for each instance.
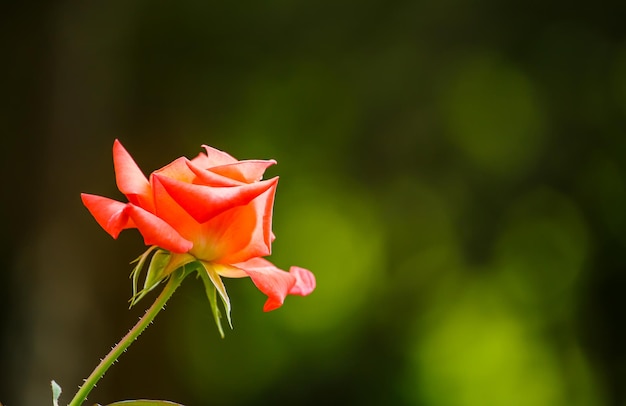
(180, 260)
(56, 392)
(162, 264)
(141, 260)
(144, 402)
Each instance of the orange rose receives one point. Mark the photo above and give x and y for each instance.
(212, 211)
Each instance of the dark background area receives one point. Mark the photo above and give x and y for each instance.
(453, 172)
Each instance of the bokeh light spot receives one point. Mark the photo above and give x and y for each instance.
(478, 352)
(493, 115)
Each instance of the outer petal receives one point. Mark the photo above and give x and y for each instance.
(130, 179)
(115, 216)
(243, 232)
(275, 283)
(205, 202)
(305, 281)
(226, 234)
(109, 213)
(171, 212)
(156, 231)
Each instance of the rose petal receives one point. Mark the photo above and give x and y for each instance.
(305, 281)
(244, 171)
(156, 231)
(130, 179)
(246, 235)
(109, 213)
(205, 202)
(229, 271)
(171, 212)
(178, 169)
(213, 157)
(226, 234)
(274, 282)
(208, 178)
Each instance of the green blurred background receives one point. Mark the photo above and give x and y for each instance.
(452, 171)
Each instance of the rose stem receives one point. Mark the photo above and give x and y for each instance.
(174, 282)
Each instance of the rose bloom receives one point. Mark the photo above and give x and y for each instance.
(212, 209)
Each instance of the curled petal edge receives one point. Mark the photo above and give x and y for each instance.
(305, 281)
(276, 283)
(114, 216)
(109, 213)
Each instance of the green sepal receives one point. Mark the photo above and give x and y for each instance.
(156, 269)
(56, 393)
(154, 275)
(213, 283)
(143, 402)
(162, 264)
(211, 295)
(141, 260)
